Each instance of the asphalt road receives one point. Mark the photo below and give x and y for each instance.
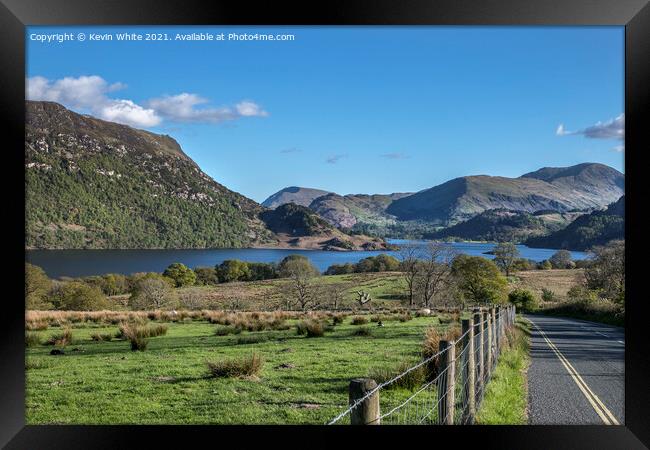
(576, 375)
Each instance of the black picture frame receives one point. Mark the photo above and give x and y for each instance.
(16, 14)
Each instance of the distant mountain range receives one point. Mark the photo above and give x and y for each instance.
(97, 184)
(583, 187)
(579, 187)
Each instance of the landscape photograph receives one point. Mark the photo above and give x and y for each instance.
(325, 225)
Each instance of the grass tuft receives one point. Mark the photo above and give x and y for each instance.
(236, 367)
(359, 320)
(32, 339)
(61, 339)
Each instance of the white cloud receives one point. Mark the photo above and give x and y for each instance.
(127, 112)
(250, 109)
(612, 129)
(619, 148)
(90, 93)
(183, 108)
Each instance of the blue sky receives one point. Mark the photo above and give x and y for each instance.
(353, 109)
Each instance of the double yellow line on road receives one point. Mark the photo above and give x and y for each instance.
(605, 414)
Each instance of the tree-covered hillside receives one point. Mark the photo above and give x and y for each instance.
(501, 225)
(97, 184)
(587, 231)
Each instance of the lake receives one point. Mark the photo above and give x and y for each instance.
(77, 263)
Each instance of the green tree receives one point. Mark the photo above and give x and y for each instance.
(206, 276)
(607, 271)
(523, 299)
(114, 284)
(262, 271)
(233, 270)
(479, 279)
(561, 260)
(37, 287)
(180, 274)
(79, 296)
(545, 265)
(505, 256)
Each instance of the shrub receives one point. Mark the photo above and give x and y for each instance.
(77, 296)
(139, 343)
(359, 320)
(337, 319)
(157, 330)
(99, 337)
(548, 295)
(32, 339)
(252, 339)
(411, 380)
(237, 367)
(363, 331)
(524, 300)
(315, 329)
(61, 339)
(431, 346)
(226, 330)
(36, 325)
(138, 334)
(404, 317)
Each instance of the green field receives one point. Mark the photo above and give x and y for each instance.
(107, 383)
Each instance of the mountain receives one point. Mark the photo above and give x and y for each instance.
(297, 225)
(293, 194)
(580, 187)
(345, 211)
(588, 230)
(97, 184)
(502, 225)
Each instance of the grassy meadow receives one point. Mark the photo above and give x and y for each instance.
(303, 380)
(300, 378)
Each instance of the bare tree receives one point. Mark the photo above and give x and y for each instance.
(410, 268)
(335, 293)
(151, 293)
(299, 286)
(192, 298)
(434, 272)
(363, 298)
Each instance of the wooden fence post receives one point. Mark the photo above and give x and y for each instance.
(495, 332)
(367, 413)
(447, 383)
(485, 316)
(478, 323)
(469, 374)
(488, 344)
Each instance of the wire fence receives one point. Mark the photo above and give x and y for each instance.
(456, 379)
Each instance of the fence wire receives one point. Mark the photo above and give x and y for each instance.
(435, 402)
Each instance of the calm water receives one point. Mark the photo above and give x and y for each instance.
(75, 263)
